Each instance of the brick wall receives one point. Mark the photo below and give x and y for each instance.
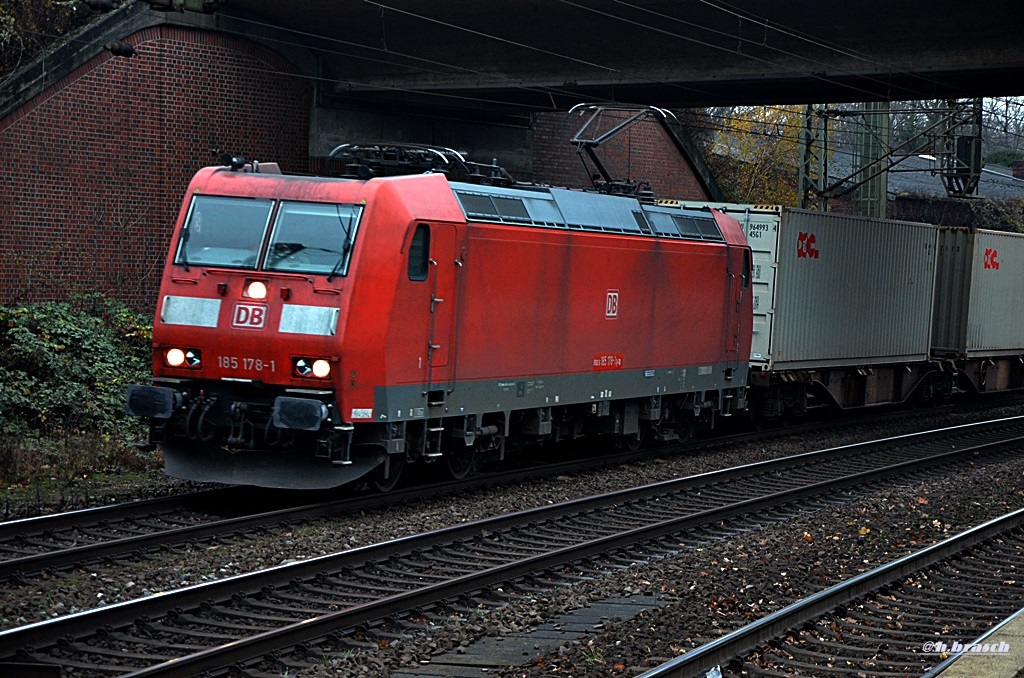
(644, 152)
(95, 168)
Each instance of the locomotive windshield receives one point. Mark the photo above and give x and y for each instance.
(313, 238)
(306, 237)
(223, 231)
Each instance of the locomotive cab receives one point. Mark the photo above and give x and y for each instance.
(247, 335)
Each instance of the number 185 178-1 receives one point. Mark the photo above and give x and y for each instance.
(248, 364)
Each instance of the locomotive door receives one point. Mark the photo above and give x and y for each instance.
(440, 358)
(739, 269)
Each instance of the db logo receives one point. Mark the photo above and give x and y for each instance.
(805, 248)
(991, 260)
(249, 316)
(611, 304)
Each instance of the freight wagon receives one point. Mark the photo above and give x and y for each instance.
(979, 307)
(853, 312)
(842, 308)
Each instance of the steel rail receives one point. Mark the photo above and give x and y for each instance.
(38, 526)
(126, 546)
(13, 529)
(753, 635)
(25, 566)
(78, 555)
(246, 648)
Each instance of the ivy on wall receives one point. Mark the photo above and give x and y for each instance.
(65, 366)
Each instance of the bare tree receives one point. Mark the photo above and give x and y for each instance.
(1004, 123)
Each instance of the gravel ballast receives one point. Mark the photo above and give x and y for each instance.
(712, 589)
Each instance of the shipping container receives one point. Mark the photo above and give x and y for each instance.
(979, 310)
(833, 290)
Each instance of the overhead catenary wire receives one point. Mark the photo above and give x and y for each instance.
(721, 6)
(345, 81)
(552, 90)
(490, 101)
(585, 62)
(704, 43)
(391, 53)
(609, 69)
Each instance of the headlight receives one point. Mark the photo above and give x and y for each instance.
(312, 367)
(256, 289)
(187, 357)
(321, 368)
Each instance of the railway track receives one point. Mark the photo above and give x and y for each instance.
(33, 546)
(905, 617)
(324, 600)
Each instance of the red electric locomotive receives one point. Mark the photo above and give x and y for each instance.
(311, 331)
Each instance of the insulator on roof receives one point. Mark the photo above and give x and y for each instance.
(645, 196)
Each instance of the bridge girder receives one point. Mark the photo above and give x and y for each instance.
(544, 54)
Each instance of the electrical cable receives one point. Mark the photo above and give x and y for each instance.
(542, 89)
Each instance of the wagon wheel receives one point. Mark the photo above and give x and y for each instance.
(392, 468)
(633, 441)
(460, 460)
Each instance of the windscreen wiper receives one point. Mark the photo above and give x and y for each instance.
(347, 228)
(283, 250)
(183, 254)
(341, 260)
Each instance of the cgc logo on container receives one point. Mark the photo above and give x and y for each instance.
(249, 316)
(805, 248)
(611, 305)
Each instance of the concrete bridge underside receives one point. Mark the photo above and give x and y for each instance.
(472, 73)
(527, 55)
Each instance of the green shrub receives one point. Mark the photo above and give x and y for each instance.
(65, 366)
(1004, 158)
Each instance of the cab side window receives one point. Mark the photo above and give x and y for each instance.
(419, 253)
(745, 275)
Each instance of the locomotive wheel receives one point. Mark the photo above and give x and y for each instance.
(460, 461)
(394, 464)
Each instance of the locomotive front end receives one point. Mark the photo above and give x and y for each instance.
(247, 350)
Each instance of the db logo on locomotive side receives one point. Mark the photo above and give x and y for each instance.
(611, 305)
(249, 316)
